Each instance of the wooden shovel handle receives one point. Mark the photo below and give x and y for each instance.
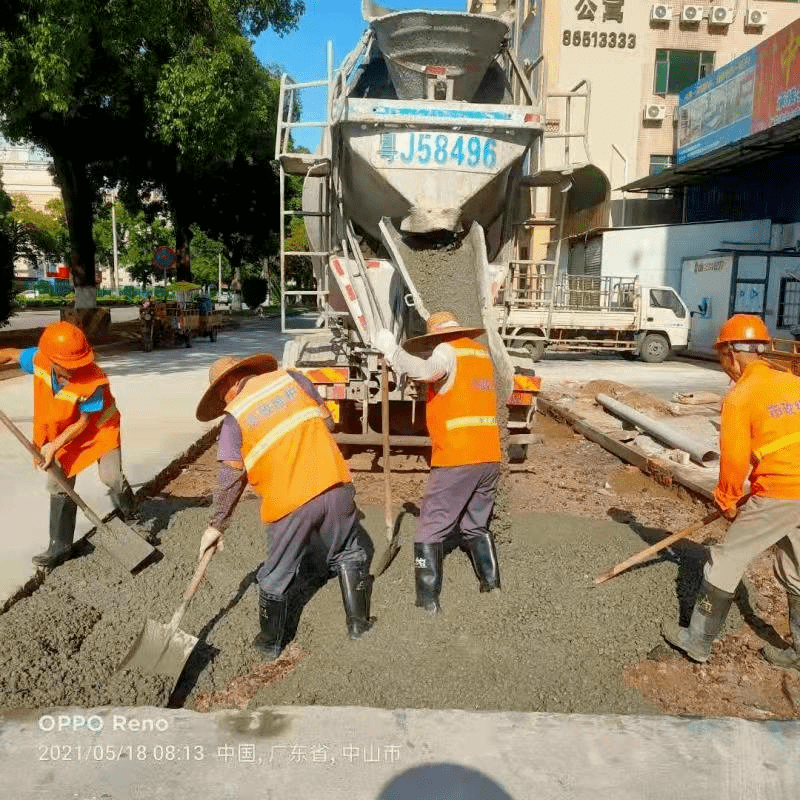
(387, 471)
(612, 572)
(54, 470)
(200, 572)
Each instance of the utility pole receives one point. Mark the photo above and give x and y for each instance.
(115, 277)
(219, 280)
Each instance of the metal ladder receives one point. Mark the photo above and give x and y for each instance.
(305, 165)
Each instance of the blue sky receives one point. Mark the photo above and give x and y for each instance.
(302, 53)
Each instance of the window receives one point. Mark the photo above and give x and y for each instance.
(678, 69)
(663, 298)
(789, 303)
(657, 165)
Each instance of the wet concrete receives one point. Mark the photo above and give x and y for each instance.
(447, 279)
(547, 642)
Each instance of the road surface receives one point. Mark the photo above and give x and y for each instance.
(41, 318)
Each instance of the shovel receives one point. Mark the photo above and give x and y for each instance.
(392, 530)
(114, 536)
(164, 649)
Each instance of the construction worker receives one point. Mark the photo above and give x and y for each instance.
(760, 428)
(466, 455)
(276, 436)
(75, 424)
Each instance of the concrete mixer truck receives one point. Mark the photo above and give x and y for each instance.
(409, 205)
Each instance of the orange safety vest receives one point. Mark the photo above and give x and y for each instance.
(462, 421)
(54, 413)
(289, 454)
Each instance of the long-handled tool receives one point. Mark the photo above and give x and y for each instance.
(392, 530)
(114, 536)
(165, 649)
(612, 572)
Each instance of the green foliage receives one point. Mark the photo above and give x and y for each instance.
(138, 92)
(6, 257)
(205, 258)
(254, 291)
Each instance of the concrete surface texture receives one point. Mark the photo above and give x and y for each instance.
(156, 393)
(549, 641)
(374, 754)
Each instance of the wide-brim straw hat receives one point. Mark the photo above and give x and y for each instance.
(225, 373)
(443, 326)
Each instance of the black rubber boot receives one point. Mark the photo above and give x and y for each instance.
(272, 618)
(124, 501)
(790, 657)
(710, 610)
(62, 532)
(356, 586)
(484, 561)
(428, 575)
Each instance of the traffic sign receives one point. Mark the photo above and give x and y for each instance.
(164, 258)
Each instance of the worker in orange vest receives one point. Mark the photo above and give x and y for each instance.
(276, 436)
(75, 424)
(759, 437)
(461, 414)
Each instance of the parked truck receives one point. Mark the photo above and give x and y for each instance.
(590, 313)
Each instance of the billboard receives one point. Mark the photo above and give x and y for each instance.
(751, 93)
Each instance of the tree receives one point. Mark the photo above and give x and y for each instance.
(6, 256)
(41, 235)
(92, 82)
(206, 254)
(254, 291)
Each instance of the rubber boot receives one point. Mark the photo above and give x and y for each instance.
(356, 586)
(710, 610)
(484, 561)
(272, 618)
(428, 575)
(790, 657)
(124, 501)
(62, 531)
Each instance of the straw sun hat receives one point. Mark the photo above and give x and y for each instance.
(225, 373)
(443, 326)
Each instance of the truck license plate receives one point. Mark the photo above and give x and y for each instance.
(432, 149)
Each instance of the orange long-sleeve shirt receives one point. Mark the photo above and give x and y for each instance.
(762, 407)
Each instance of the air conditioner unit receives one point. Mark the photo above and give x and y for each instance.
(756, 18)
(661, 13)
(720, 15)
(654, 111)
(692, 13)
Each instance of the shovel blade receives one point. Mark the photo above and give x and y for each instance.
(123, 543)
(160, 650)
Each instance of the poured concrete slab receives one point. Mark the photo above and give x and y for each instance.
(375, 754)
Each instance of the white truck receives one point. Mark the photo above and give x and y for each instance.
(589, 313)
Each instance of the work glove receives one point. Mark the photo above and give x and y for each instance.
(385, 342)
(211, 538)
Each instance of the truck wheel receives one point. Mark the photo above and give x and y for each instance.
(517, 453)
(655, 348)
(535, 350)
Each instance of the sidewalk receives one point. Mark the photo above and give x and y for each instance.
(375, 754)
(157, 394)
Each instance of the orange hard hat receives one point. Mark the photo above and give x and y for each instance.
(66, 345)
(743, 328)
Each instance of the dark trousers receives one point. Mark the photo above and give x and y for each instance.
(331, 519)
(458, 499)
